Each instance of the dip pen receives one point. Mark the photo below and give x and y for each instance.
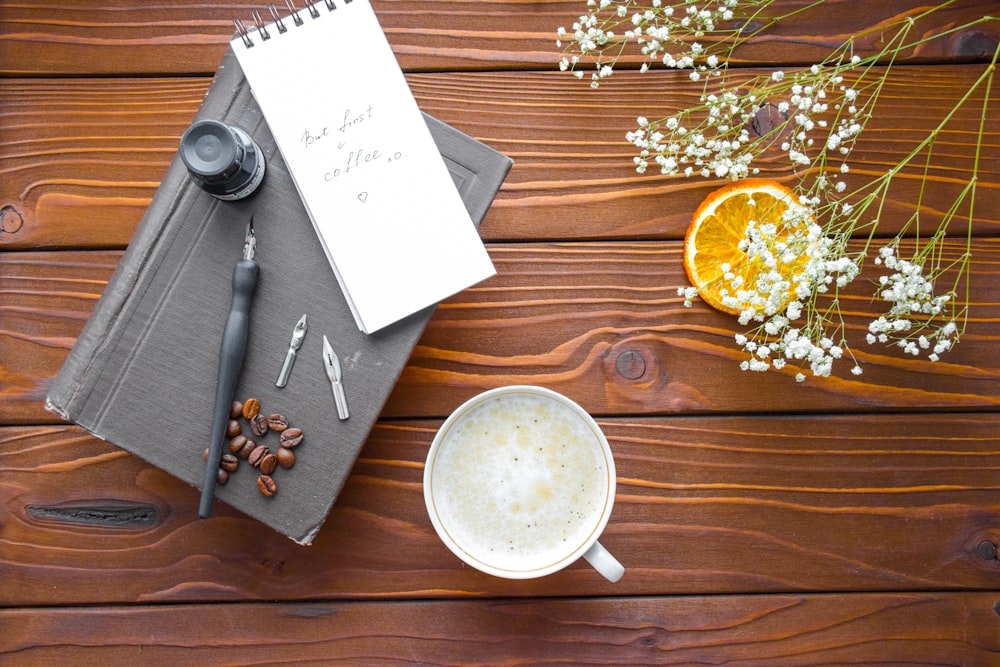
(231, 353)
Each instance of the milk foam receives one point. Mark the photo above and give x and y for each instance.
(520, 481)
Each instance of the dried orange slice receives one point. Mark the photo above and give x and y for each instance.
(747, 245)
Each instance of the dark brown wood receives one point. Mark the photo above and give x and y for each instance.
(798, 629)
(82, 159)
(95, 37)
(585, 305)
(704, 505)
(841, 521)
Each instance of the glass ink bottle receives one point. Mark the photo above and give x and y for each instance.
(222, 159)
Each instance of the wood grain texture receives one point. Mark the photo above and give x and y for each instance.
(761, 521)
(45, 300)
(99, 38)
(704, 505)
(80, 160)
(570, 316)
(921, 628)
(600, 322)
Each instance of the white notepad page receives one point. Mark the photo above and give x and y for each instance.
(379, 194)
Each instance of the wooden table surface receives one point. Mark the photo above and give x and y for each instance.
(841, 520)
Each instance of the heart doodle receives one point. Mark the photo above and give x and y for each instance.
(363, 197)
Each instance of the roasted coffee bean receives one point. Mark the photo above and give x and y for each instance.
(248, 448)
(291, 437)
(277, 423)
(221, 477)
(268, 464)
(258, 425)
(251, 407)
(267, 485)
(204, 455)
(236, 410)
(257, 455)
(233, 428)
(285, 456)
(229, 462)
(236, 444)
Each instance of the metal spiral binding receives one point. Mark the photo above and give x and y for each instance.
(293, 13)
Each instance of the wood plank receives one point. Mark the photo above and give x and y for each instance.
(92, 37)
(760, 521)
(80, 159)
(704, 506)
(46, 300)
(601, 322)
(939, 628)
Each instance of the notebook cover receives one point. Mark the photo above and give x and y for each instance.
(143, 371)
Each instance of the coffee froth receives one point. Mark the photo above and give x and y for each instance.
(520, 482)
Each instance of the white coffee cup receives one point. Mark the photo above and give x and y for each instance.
(520, 482)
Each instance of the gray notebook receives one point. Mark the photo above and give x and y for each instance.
(142, 373)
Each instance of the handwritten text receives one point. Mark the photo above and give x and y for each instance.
(309, 138)
(352, 119)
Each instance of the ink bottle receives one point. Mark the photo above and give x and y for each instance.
(222, 159)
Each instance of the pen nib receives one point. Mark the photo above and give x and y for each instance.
(250, 241)
(333, 373)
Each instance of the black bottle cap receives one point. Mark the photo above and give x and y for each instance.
(222, 159)
(211, 150)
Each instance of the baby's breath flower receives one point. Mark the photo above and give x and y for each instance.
(814, 116)
(689, 294)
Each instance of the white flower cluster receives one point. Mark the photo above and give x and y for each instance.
(800, 266)
(662, 33)
(658, 27)
(717, 148)
(804, 265)
(807, 108)
(714, 139)
(915, 308)
(814, 117)
(793, 347)
(720, 153)
(591, 35)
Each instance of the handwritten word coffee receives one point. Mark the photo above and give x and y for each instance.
(356, 158)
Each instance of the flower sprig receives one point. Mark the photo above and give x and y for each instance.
(663, 34)
(812, 118)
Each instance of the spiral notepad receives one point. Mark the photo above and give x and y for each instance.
(380, 196)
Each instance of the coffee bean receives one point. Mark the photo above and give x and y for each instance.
(204, 454)
(277, 423)
(257, 455)
(229, 462)
(267, 485)
(258, 425)
(291, 437)
(247, 449)
(251, 407)
(236, 444)
(285, 456)
(268, 464)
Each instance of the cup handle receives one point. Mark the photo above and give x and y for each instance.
(602, 561)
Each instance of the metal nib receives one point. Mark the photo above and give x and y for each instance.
(250, 241)
(331, 364)
(298, 333)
